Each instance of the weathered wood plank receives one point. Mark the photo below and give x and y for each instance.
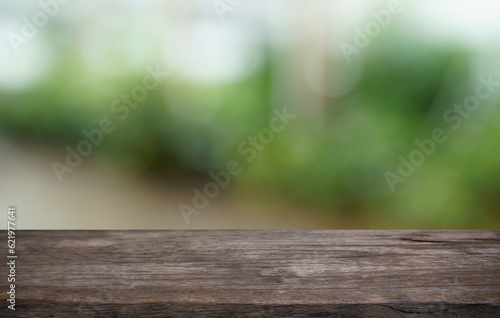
(256, 274)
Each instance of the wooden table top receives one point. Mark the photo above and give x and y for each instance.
(326, 273)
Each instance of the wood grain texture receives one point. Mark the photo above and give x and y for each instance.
(256, 274)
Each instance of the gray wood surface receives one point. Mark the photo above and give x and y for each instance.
(255, 274)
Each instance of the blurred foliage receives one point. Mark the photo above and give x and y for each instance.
(190, 128)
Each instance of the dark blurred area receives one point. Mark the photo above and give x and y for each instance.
(231, 65)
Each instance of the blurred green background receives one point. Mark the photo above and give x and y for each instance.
(325, 170)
